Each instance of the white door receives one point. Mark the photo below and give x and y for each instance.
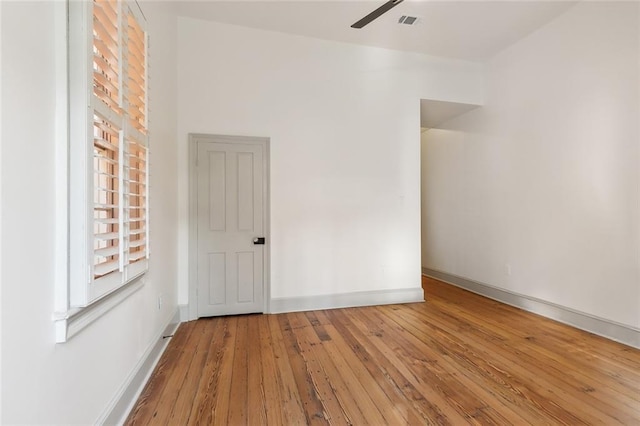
(231, 223)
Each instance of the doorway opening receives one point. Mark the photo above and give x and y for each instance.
(434, 115)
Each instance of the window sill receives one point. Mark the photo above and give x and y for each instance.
(73, 321)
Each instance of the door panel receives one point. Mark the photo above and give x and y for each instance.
(217, 172)
(217, 278)
(245, 276)
(230, 214)
(245, 191)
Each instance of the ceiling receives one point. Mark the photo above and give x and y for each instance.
(468, 30)
(433, 113)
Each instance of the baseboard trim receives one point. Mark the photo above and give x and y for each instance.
(602, 327)
(118, 409)
(346, 300)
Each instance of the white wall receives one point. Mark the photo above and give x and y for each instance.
(1, 257)
(344, 127)
(71, 383)
(537, 192)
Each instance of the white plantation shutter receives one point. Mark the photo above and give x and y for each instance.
(137, 77)
(106, 201)
(109, 141)
(136, 216)
(106, 53)
(136, 149)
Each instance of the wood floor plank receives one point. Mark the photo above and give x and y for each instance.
(458, 358)
(556, 335)
(393, 410)
(435, 399)
(529, 344)
(201, 413)
(470, 398)
(183, 404)
(350, 389)
(290, 401)
(558, 367)
(339, 406)
(554, 374)
(256, 394)
(271, 381)
(239, 389)
(429, 377)
(555, 369)
(314, 410)
(165, 380)
(219, 404)
(386, 372)
(474, 363)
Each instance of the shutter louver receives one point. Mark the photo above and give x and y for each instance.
(136, 75)
(106, 56)
(106, 197)
(106, 138)
(136, 157)
(136, 165)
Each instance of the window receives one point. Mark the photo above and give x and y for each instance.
(108, 148)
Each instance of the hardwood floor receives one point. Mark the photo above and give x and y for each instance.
(456, 359)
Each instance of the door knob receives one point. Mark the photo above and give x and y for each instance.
(258, 240)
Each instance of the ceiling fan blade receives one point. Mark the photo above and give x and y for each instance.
(376, 13)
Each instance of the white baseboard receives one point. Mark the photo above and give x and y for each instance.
(346, 300)
(602, 327)
(118, 409)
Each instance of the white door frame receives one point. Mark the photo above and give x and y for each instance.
(193, 214)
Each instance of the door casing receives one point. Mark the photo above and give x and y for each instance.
(193, 214)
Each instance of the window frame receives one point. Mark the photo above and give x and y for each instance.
(81, 295)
